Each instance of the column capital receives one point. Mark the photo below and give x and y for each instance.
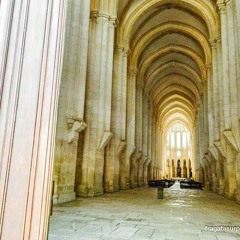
(94, 14)
(114, 21)
(221, 6)
(213, 43)
(228, 2)
(208, 66)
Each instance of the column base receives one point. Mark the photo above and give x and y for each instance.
(214, 189)
(64, 198)
(134, 185)
(140, 184)
(229, 195)
(206, 187)
(111, 189)
(125, 186)
(83, 191)
(220, 191)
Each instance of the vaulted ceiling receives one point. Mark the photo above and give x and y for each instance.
(169, 45)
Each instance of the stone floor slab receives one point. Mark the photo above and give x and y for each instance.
(138, 214)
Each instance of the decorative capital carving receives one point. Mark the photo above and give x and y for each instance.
(114, 21)
(208, 66)
(221, 6)
(228, 2)
(94, 15)
(213, 43)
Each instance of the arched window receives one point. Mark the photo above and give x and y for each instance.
(188, 138)
(178, 140)
(172, 139)
(179, 153)
(184, 139)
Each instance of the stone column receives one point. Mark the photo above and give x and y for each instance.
(98, 115)
(153, 140)
(31, 60)
(205, 113)
(210, 108)
(162, 150)
(215, 96)
(124, 163)
(71, 101)
(237, 43)
(220, 86)
(233, 135)
(238, 177)
(232, 65)
(118, 143)
(145, 171)
(225, 67)
(145, 125)
(110, 173)
(139, 125)
(131, 124)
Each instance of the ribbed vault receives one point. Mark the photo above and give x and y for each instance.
(169, 48)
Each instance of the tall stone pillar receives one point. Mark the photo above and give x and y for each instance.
(215, 91)
(98, 104)
(220, 86)
(131, 126)
(31, 60)
(237, 43)
(117, 145)
(232, 65)
(205, 115)
(210, 109)
(139, 126)
(144, 159)
(237, 40)
(124, 163)
(225, 66)
(71, 101)
(232, 137)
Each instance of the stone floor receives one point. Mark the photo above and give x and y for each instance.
(138, 214)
